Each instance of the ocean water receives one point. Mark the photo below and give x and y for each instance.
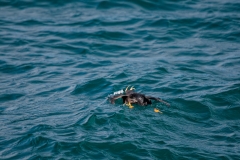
(59, 61)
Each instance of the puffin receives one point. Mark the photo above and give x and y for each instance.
(130, 97)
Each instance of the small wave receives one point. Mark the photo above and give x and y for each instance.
(16, 69)
(193, 110)
(31, 142)
(39, 128)
(10, 97)
(90, 86)
(51, 91)
(109, 5)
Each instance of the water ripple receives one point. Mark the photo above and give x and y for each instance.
(61, 59)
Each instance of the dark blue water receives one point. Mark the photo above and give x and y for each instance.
(60, 60)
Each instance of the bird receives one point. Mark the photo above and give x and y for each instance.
(130, 97)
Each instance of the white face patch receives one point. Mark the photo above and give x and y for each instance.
(118, 92)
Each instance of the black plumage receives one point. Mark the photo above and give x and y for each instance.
(131, 97)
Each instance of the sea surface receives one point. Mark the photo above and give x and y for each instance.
(60, 60)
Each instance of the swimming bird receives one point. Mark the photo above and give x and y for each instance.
(130, 97)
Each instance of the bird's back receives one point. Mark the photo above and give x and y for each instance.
(138, 98)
